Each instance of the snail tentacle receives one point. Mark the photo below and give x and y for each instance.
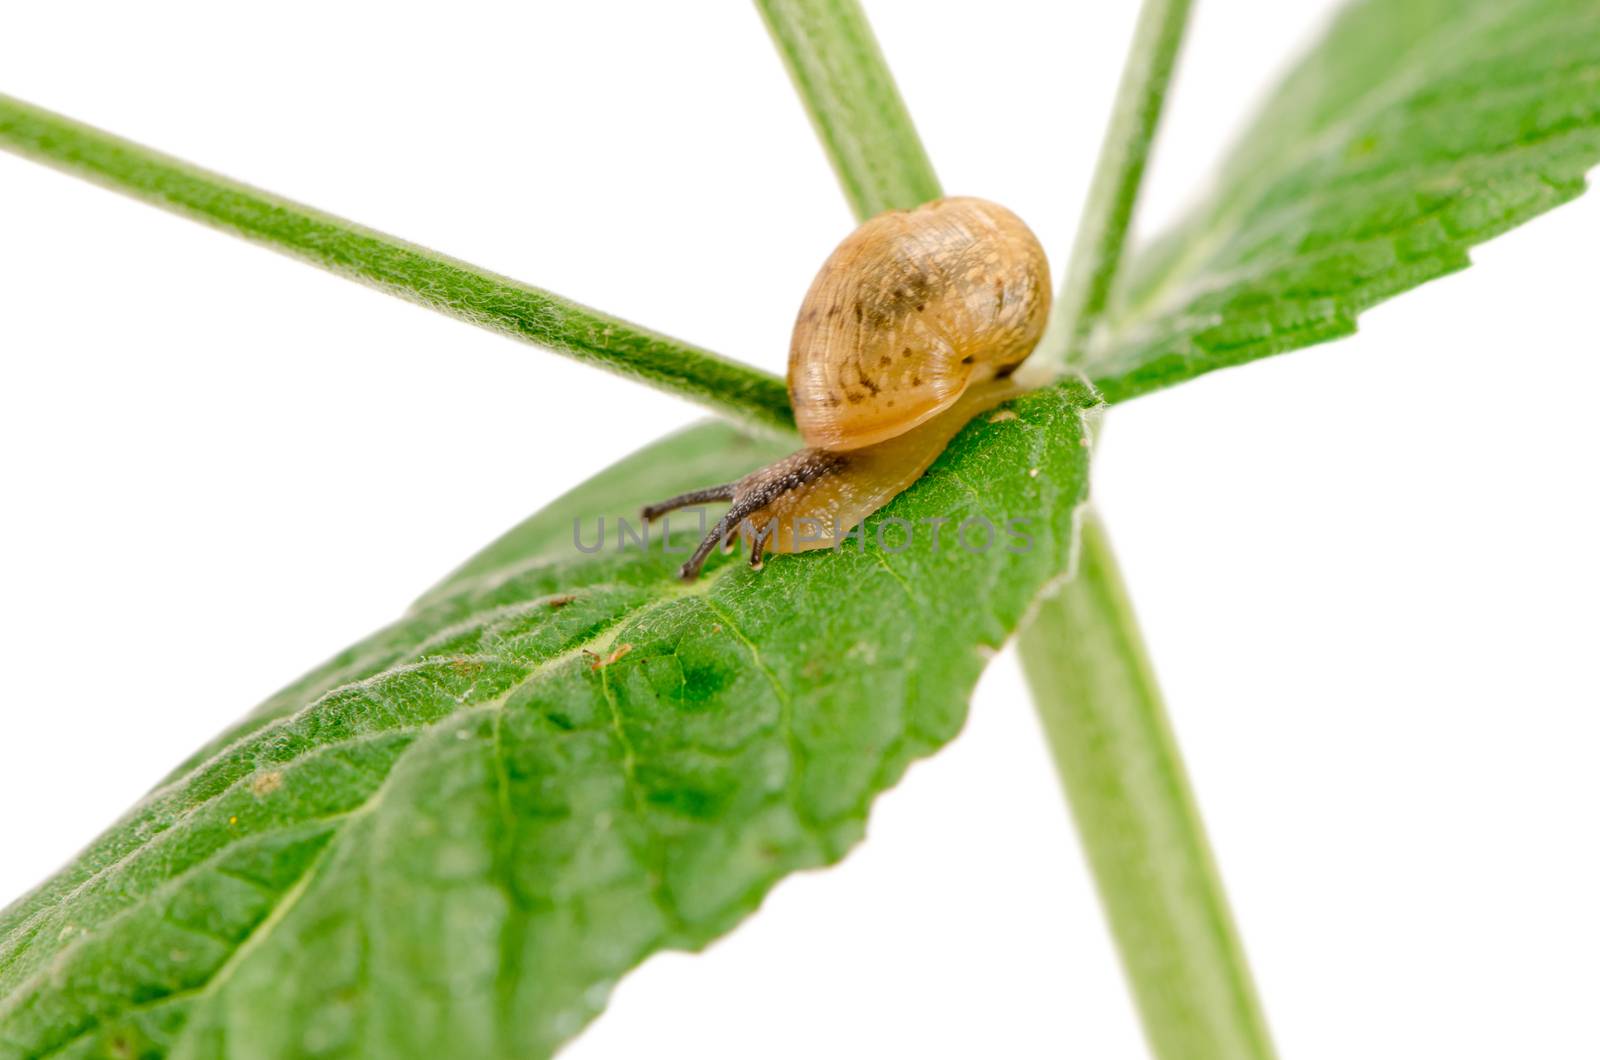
(690, 570)
(750, 495)
(651, 512)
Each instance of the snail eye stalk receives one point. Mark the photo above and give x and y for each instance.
(651, 512)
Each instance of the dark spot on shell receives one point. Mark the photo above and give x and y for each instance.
(967, 359)
(906, 352)
(859, 312)
(914, 291)
(916, 380)
(921, 306)
(835, 310)
(884, 361)
(884, 306)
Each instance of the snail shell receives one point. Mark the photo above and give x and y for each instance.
(913, 326)
(908, 312)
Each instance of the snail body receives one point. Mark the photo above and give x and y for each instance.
(913, 325)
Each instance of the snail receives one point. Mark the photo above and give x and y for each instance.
(914, 324)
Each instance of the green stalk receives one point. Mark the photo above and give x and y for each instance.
(1085, 661)
(1119, 172)
(1145, 843)
(863, 123)
(426, 277)
(1093, 687)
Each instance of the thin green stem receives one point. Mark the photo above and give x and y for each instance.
(1114, 191)
(419, 275)
(1092, 683)
(1125, 780)
(858, 113)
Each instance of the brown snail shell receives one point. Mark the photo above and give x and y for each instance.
(911, 309)
(912, 327)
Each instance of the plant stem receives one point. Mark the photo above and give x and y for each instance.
(1092, 683)
(863, 123)
(1103, 226)
(419, 275)
(1125, 780)
(1085, 662)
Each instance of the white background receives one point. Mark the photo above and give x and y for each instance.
(1367, 572)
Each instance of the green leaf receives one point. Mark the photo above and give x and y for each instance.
(415, 273)
(1414, 130)
(452, 839)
